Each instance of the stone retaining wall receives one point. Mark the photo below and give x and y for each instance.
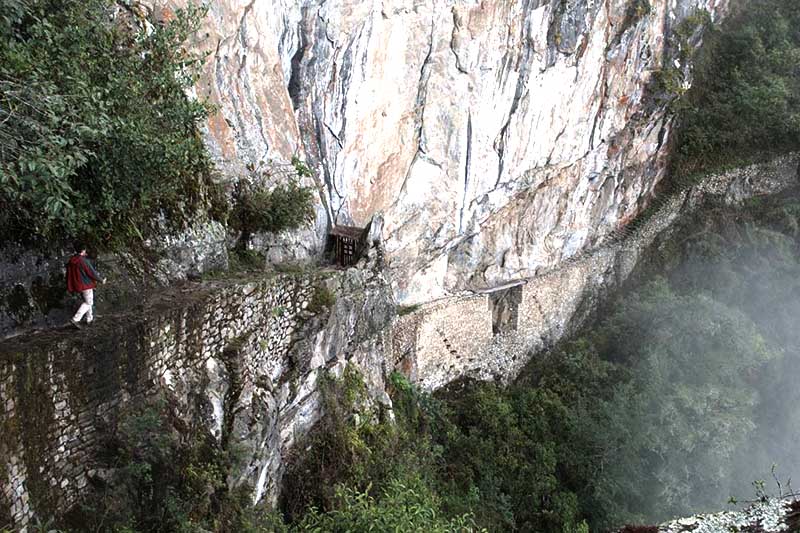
(61, 392)
(451, 337)
(454, 337)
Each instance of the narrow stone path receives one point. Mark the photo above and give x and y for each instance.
(176, 296)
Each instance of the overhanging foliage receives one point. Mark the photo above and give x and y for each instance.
(97, 136)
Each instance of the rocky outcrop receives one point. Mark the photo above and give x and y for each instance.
(768, 516)
(497, 138)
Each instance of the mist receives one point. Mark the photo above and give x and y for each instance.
(717, 304)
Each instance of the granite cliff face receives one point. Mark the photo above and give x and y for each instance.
(242, 357)
(497, 138)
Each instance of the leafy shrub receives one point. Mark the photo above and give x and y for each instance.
(668, 84)
(523, 459)
(637, 9)
(97, 136)
(260, 209)
(406, 505)
(746, 90)
(341, 448)
(165, 477)
(246, 259)
(301, 168)
(404, 310)
(356, 456)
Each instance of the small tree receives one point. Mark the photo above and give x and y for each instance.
(258, 208)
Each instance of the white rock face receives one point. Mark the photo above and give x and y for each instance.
(496, 137)
(762, 517)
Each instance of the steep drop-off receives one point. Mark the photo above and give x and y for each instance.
(242, 357)
(239, 358)
(506, 145)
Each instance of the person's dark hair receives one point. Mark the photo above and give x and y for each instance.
(79, 246)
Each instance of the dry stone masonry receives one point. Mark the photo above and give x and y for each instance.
(242, 357)
(492, 334)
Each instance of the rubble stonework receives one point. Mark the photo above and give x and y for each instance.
(453, 337)
(62, 392)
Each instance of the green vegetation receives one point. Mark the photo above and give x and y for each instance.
(638, 9)
(672, 402)
(677, 398)
(258, 208)
(322, 299)
(345, 443)
(403, 310)
(362, 467)
(244, 259)
(404, 506)
(163, 476)
(669, 83)
(690, 27)
(597, 432)
(366, 470)
(745, 99)
(679, 395)
(291, 267)
(97, 137)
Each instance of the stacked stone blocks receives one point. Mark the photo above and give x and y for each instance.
(451, 338)
(60, 391)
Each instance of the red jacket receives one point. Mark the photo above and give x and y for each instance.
(81, 275)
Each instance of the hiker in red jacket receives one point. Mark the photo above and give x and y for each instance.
(82, 278)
